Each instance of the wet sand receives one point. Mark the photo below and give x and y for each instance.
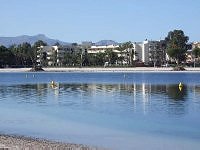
(12, 142)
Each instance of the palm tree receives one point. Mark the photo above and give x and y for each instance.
(196, 53)
(121, 57)
(127, 48)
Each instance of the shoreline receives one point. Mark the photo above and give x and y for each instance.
(99, 70)
(22, 142)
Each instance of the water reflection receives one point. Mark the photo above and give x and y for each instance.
(113, 98)
(176, 93)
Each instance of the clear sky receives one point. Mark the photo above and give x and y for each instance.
(94, 20)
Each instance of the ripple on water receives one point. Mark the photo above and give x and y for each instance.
(153, 108)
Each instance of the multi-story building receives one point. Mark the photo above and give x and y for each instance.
(150, 52)
(157, 53)
(195, 44)
(102, 49)
(190, 56)
(54, 55)
(147, 52)
(48, 55)
(141, 51)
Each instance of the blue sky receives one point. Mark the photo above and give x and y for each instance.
(94, 20)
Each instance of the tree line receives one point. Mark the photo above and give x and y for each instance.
(25, 54)
(22, 55)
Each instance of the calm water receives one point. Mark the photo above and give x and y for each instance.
(111, 110)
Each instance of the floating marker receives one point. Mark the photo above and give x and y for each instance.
(180, 88)
(180, 84)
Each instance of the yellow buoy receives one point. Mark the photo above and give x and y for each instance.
(180, 86)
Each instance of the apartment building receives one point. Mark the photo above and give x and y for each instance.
(54, 55)
(157, 53)
(150, 52)
(195, 44)
(141, 51)
(147, 52)
(50, 55)
(190, 57)
(102, 49)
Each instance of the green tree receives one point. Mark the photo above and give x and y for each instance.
(72, 59)
(39, 43)
(100, 59)
(121, 58)
(24, 51)
(14, 51)
(177, 45)
(127, 49)
(44, 61)
(68, 59)
(196, 52)
(97, 59)
(85, 59)
(111, 56)
(54, 58)
(76, 59)
(6, 57)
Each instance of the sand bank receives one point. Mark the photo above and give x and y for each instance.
(136, 69)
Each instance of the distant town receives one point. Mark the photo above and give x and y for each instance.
(173, 50)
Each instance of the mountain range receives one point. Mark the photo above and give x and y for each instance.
(8, 41)
(106, 42)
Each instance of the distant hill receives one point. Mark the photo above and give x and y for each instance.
(106, 42)
(7, 41)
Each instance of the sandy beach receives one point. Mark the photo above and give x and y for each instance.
(12, 142)
(84, 69)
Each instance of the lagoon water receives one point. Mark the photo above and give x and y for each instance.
(122, 111)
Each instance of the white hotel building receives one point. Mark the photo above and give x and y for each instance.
(54, 55)
(150, 52)
(146, 51)
(102, 49)
(141, 49)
